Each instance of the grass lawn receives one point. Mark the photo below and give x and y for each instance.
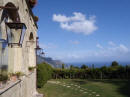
(86, 88)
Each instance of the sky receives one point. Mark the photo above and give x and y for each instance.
(84, 30)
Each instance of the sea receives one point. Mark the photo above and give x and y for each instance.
(96, 64)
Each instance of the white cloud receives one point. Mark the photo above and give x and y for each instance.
(112, 49)
(111, 43)
(118, 49)
(115, 51)
(76, 23)
(99, 46)
(106, 53)
(123, 48)
(60, 18)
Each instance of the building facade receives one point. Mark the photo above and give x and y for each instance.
(18, 36)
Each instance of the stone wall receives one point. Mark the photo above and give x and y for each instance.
(24, 56)
(21, 88)
(20, 58)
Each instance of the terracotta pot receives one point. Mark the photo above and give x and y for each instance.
(30, 70)
(32, 3)
(13, 78)
(36, 18)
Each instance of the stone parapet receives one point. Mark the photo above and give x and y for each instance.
(21, 88)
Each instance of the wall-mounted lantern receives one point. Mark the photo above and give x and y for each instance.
(15, 33)
(38, 50)
(42, 53)
(37, 44)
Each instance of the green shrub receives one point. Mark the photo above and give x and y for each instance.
(44, 73)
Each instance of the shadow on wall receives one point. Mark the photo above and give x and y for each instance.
(3, 67)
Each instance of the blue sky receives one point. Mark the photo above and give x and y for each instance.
(84, 30)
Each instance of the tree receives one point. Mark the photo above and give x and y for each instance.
(115, 64)
(63, 66)
(84, 66)
(93, 66)
(71, 67)
(44, 73)
(76, 67)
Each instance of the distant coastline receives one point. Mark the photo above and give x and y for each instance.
(96, 64)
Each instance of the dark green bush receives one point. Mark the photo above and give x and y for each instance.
(44, 73)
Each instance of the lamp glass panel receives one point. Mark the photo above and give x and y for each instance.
(22, 34)
(14, 35)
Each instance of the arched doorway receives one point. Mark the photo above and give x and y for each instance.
(10, 11)
(31, 38)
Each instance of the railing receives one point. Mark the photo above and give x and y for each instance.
(11, 85)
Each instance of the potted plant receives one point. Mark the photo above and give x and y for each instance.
(36, 18)
(32, 3)
(31, 68)
(15, 76)
(18, 74)
(12, 77)
(3, 79)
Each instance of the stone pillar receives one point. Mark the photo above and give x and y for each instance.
(15, 59)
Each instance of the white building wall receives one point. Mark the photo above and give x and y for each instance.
(20, 58)
(25, 56)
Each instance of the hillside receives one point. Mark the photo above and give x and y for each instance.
(49, 60)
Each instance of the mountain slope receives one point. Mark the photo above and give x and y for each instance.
(53, 63)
